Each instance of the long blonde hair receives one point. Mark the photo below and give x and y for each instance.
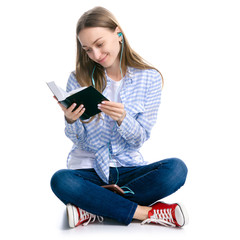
(101, 17)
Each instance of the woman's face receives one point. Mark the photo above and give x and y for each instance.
(101, 45)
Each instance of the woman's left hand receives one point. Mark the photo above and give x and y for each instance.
(114, 110)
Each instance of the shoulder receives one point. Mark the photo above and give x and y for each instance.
(145, 76)
(150, 71)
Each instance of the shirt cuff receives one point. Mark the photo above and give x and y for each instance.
(127, 127)
(76, 127)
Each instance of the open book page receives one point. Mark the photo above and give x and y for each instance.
(60, 93)
(76, 90)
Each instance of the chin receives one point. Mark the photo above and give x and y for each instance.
(109, 62)
(106, 65)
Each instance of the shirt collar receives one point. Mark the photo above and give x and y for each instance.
(127, 78)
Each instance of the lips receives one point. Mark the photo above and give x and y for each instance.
(103, 59)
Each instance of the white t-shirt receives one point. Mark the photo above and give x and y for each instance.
(81, 159)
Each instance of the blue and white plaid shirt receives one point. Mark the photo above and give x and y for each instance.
(141, 95)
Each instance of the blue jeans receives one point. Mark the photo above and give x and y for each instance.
(149, 183)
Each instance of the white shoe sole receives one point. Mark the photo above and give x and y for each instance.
(70, 215)
(181, 215)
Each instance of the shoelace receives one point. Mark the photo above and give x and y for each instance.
(162, 216)
(92, 218)
(84, 215)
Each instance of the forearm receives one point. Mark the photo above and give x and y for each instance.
(131, 130)
(75, 131)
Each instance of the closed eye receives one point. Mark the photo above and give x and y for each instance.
(100, 45)
(88, 50)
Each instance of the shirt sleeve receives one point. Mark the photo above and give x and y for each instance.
(75, 131)
(136, 130)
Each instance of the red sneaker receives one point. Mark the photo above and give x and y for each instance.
(173, 215)
(77, 216)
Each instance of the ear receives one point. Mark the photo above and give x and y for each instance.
(118, 30)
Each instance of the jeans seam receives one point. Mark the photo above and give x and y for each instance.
(140, 177)
(131, 213)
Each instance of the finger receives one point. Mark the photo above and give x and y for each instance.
(111, 108)
(76, 114)
(76, 111)
(71, 108)
(113, 104)
(113, 115)
(55, 98)
(81, 112)
(67, 111)
(79, 108)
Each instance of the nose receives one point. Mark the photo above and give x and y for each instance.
(96, 54)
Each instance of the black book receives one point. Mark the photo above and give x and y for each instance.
(88, 96)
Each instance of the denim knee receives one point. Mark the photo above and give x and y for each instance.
(58, 181)
(68, 186)
(180, 170)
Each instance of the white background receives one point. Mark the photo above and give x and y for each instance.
(195, 44)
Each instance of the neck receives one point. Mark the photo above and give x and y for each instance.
(116, 76)
(114, 71)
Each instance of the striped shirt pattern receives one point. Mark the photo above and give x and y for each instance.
(141, 96)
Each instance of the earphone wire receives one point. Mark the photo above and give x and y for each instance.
(93, 82)
(120, 65)
(129, 189)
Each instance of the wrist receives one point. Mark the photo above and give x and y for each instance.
(122, 118)
(69, 121)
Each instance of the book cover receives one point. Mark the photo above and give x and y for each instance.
(87, 96)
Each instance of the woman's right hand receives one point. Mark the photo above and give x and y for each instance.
(70, 115)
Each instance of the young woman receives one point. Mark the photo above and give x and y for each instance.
(106, 147)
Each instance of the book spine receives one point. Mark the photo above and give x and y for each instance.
(66, 103)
